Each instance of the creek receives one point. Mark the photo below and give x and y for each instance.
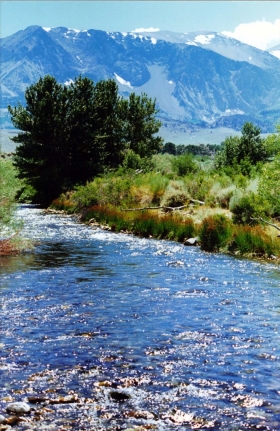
(144, 334)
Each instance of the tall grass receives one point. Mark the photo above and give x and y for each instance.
(215, 232)
(145, 223)
(10, 243)
(247, 239)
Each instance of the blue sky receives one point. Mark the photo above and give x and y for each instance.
(257, 23)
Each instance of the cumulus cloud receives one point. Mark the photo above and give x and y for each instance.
(260, 34)
(147, 30)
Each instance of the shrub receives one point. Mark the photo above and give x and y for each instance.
(249, 206)
(184, 164)
(215, 231)
(249, 239)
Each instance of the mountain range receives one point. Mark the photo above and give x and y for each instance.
(201, 80)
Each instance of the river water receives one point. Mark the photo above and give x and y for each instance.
(143, 334)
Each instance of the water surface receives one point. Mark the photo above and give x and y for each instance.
(177, 330)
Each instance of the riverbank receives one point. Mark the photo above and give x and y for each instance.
(210, 229)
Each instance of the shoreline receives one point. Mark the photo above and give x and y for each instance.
(106, 227)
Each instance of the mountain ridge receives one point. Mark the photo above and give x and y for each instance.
(199, 79)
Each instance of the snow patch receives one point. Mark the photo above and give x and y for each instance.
(73, 29)
(153, 40)
(86, 31)
(124, 34)
(204, 39)
(170, 82)
(123, 81)
(275, 53)
(234, 112)
(47, 29)
(191, 43)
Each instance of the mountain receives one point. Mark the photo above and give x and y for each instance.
(201, 80)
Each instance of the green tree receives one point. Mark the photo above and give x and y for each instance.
(242, 152)
(82, 152)
(269, 184)
(109, 126)
(169, 148)
(71, 134)
(272, 142)
(251, 144)
(140, 125)
(40, 156)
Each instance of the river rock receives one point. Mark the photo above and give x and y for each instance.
(191, 241)
(18, 407)
(2, 419)
(119, 396)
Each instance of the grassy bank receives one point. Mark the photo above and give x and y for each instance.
(212, 207)
(10, 242)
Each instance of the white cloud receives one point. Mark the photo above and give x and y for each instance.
(147, 30)
(260, 34)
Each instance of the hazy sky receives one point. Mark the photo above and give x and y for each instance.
(256, 23)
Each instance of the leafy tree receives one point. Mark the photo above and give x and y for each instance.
(169, 148)
(40, 156)
(272, 142)
(229, 152)
(251, 144)
(269, 184)
(82, 152)
(140, 125)
(245, 151)
(109, 134)
(70, 134)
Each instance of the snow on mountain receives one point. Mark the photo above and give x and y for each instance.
(199, 79)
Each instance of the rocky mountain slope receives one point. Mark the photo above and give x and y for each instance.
(200, 80)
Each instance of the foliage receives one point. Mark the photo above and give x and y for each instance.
(269, 185)
(71, 134)
(247, 239)
(215, 232)
(132, 161)
(145, 223)
(10, 185)
(169, 148)
(184, 164)
(241, 153)
(10, 242)
(139, 124)
(272, 142)
(250, 205)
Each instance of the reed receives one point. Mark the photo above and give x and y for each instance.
(253, 239)
(215, 232)
(145, 223)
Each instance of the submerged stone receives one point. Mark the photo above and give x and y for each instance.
(18, 407)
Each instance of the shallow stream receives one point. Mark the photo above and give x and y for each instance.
(142, 334)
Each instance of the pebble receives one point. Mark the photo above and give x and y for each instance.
(18, 407)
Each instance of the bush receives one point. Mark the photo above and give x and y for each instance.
(215, 231)
(249, 206)
(249, 239)
(133, 161)
(184, 164)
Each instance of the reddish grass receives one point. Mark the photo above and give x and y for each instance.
(7, 247)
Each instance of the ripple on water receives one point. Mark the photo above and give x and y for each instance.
(137, 332)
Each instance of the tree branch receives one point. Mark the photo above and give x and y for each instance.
(264, 221)
(164, 207)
